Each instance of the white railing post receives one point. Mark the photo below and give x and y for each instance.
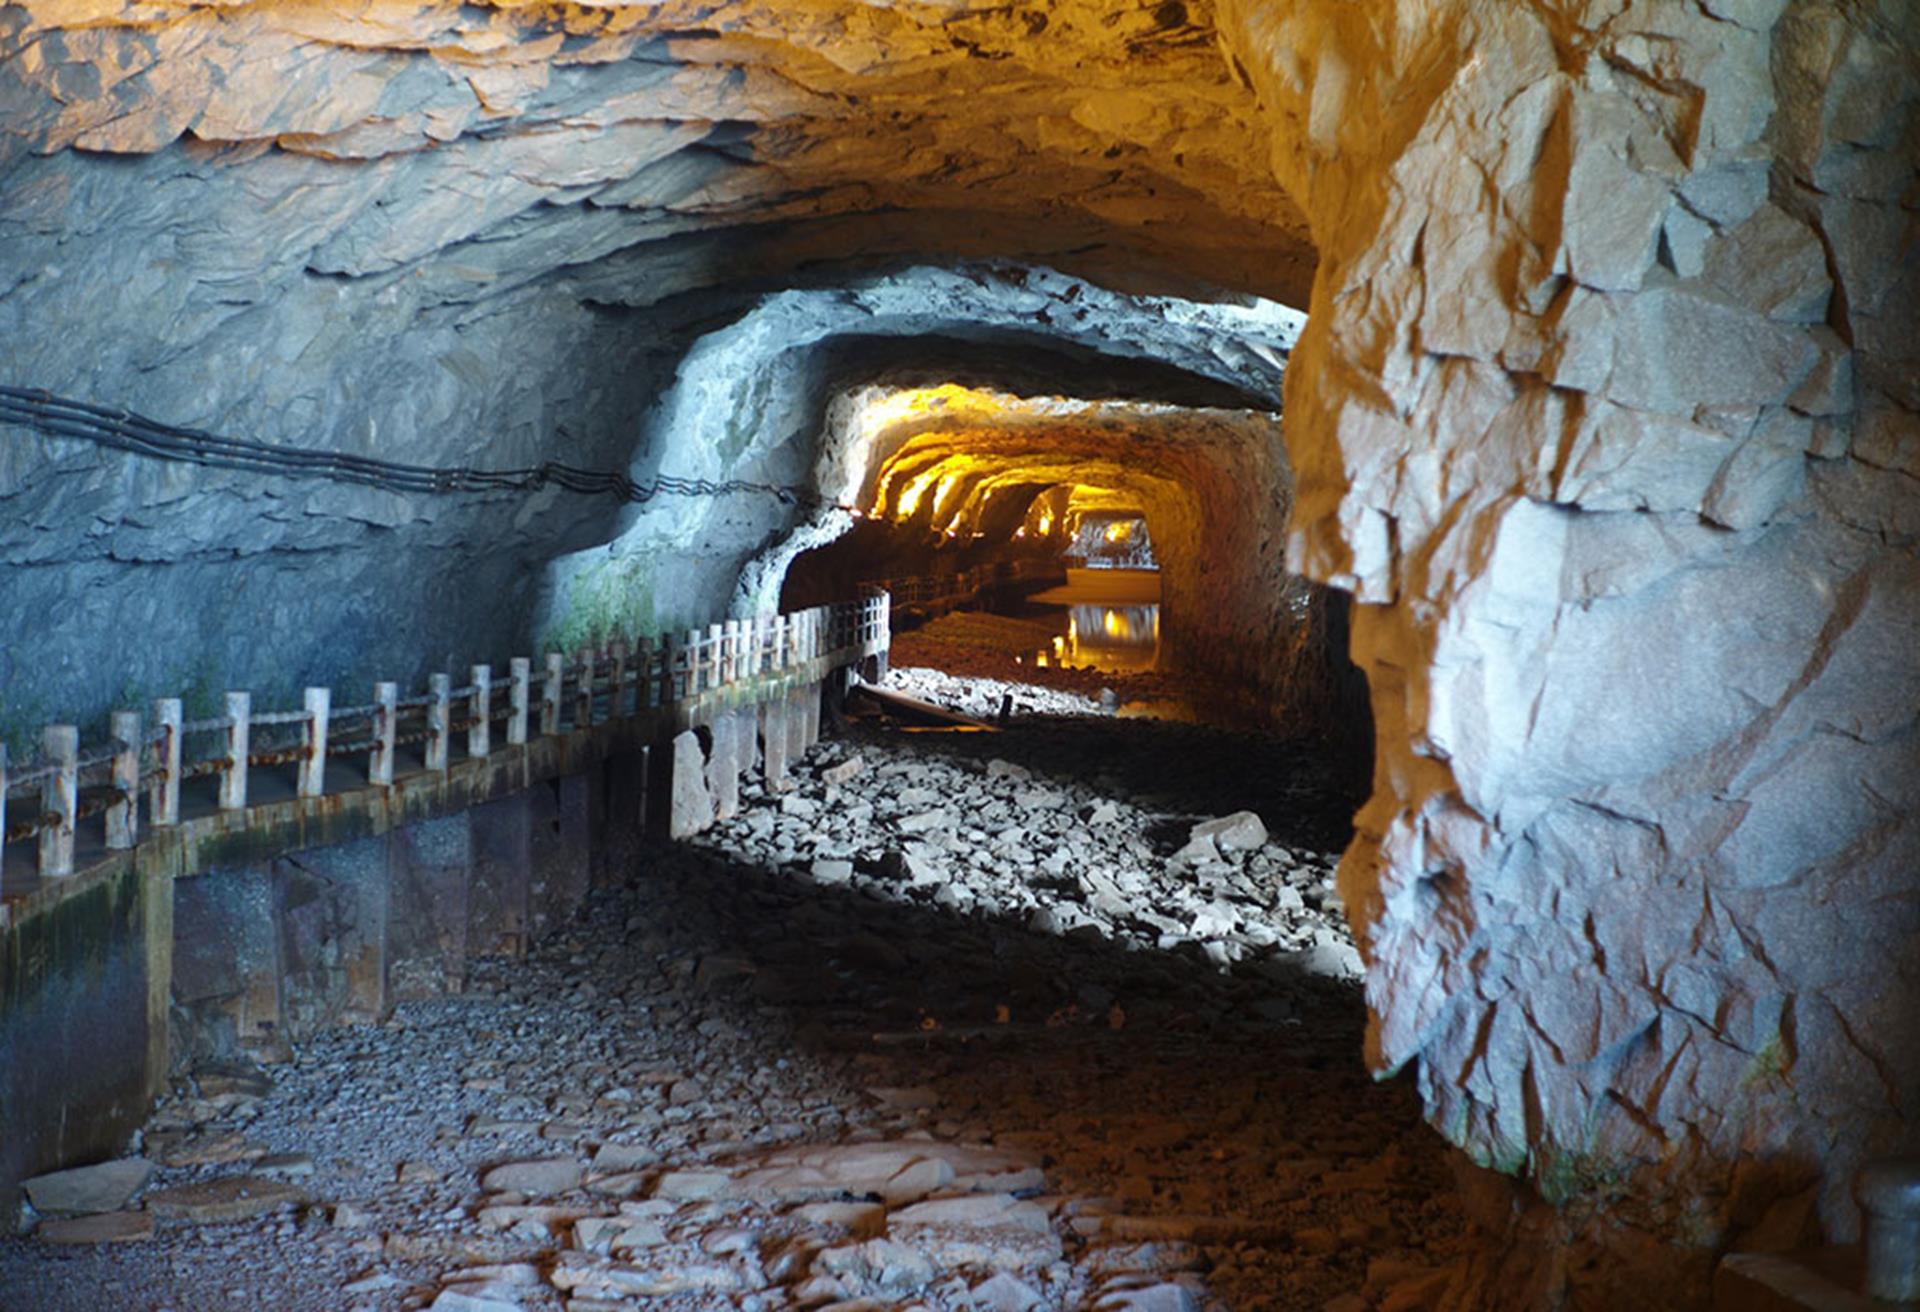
(617, 689)
(717, 656)
(583, 709)
(163, 801)
(386, 728)
(731, 665)
(313, 766)
(480, 711)
(646, 691)
(550, 695)
(123, 813)
(777, 650)
(519, 696)
(439, 720)
(694, 660)
(59, 798)
(233, 780)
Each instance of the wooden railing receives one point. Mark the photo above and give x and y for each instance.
(924, 591)
(593, 686)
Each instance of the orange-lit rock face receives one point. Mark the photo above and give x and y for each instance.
(1120, 141)
(953, 462)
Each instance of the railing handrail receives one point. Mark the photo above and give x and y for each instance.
(960, 585)
(646, 675)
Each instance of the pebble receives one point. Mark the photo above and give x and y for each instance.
(835, 775)
(550, 1175)
(1243, 831)
(1004, 1292)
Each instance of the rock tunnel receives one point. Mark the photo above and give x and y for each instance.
(1525, 396)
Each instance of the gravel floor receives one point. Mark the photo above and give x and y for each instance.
(956, 1021)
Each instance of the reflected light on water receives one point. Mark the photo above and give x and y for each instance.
(1117, 638)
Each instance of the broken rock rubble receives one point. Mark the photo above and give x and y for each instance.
(1054, 854)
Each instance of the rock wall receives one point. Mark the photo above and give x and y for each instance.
(1214, 485)
(482, 236)
(1606, 412)
(750, 400)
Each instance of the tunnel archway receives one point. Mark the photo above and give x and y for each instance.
(1604, 416)
(921, 466)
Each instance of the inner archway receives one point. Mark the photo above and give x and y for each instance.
(1604, 419)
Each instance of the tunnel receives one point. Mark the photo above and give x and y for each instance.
(1193, 656)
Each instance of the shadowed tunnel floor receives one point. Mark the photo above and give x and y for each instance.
(1167, 1134)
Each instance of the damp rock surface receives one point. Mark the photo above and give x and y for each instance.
(1068, 1071)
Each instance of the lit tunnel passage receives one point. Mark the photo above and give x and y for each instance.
(942, 478)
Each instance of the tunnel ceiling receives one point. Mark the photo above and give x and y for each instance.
(890, 444)
(482, 144)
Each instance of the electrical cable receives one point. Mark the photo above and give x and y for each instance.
(122, 430)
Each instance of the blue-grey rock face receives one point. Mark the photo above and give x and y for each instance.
(1608, 414)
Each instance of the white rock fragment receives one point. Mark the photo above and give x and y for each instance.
(544, 1176)
(106, 1187)
(826, 871)
(1243, 831)
(843, 773)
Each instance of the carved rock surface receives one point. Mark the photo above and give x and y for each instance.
(1611, 431)
(1607, 412)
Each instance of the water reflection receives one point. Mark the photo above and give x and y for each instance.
(1117, 638)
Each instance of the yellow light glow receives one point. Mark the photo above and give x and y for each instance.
(919, 402)
(917, 490)
(909, 500)
(1113, 624)
(1046, 524)
(1119, 531)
